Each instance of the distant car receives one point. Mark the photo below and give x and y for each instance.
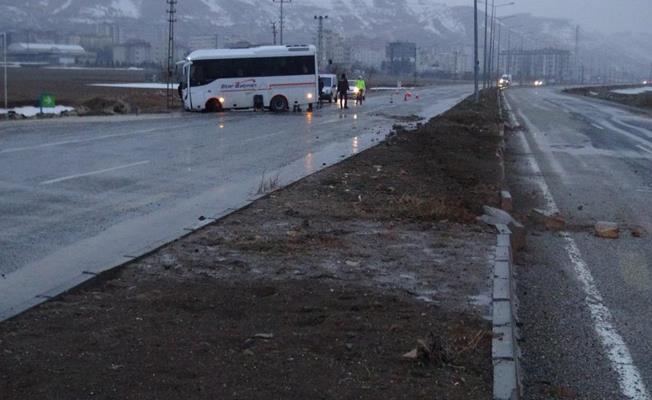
(539, 82)
(505, 81)
(330, 85)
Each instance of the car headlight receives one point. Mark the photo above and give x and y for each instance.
(222, 100)
(356, 90)
(309, 96)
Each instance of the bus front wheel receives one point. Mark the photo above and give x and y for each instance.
(278, 104)
(213, 105)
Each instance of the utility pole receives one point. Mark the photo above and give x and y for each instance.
(498, 52)
(508, 66)
(476, 61)
(274, 31)
(320, 36)
(577, 53)
(4, 58)
(484, 58)
(491, 43)
(172, 11)
(282, 15)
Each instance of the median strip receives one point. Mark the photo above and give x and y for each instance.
(315, 290)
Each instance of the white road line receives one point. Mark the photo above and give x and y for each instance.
(629, 378)
(554, 163)
(645, 149)
(598, 126)
(66, 178)
(91, 139)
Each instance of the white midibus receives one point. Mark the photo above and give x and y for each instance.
(272, 77)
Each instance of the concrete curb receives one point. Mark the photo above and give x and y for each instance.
(504, 348)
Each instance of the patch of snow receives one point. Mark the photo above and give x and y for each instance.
(633, 90)
(95, 12)
(62, 7)
(146, 85)
(30, 111)
(213, 5)
(127, 8)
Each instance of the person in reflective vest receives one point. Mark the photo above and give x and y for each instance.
(361, 85)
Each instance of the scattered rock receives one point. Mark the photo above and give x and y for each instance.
(637, 231)
(552, 221)
(494, 216)
(348, 346)
(607, 230)
(168, 261)
(248, 352)
(506, 201)
(428, 352)
(264, 336)
(352, 263)
(412, 354)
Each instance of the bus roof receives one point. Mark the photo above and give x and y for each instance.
(252, 52)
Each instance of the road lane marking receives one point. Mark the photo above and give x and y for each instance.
(631, 382)
(554, 163)
(91, 139)
(597, 126)
(101, 171)
(644, 148)
(629, 378)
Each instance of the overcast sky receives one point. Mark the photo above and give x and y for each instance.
(601, 15)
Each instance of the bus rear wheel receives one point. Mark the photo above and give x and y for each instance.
(213, 106)
(278, 104)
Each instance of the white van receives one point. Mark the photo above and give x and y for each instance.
(330, 86)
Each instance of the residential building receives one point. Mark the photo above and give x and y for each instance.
(549, 64)
(401, 58)
(132, 52)
(45, 53)
(203, 42)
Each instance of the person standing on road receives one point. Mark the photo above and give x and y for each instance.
(342, 91)
(321, 90)
(361, 85)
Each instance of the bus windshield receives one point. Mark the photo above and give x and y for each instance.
(204, 72)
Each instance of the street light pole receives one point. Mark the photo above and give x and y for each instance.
(484, 58)
(320, 37)
(476, 61)
(4, 59)
(492, 36)
(498, 52)
(282, 15)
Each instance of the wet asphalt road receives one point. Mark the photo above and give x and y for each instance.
(79, 195)
(596, 160)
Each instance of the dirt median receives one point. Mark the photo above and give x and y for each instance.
(315, 291)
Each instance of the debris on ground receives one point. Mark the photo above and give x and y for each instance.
(637, 231)
(607, 230)
(553, 221)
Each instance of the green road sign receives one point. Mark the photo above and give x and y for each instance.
(47, 100)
